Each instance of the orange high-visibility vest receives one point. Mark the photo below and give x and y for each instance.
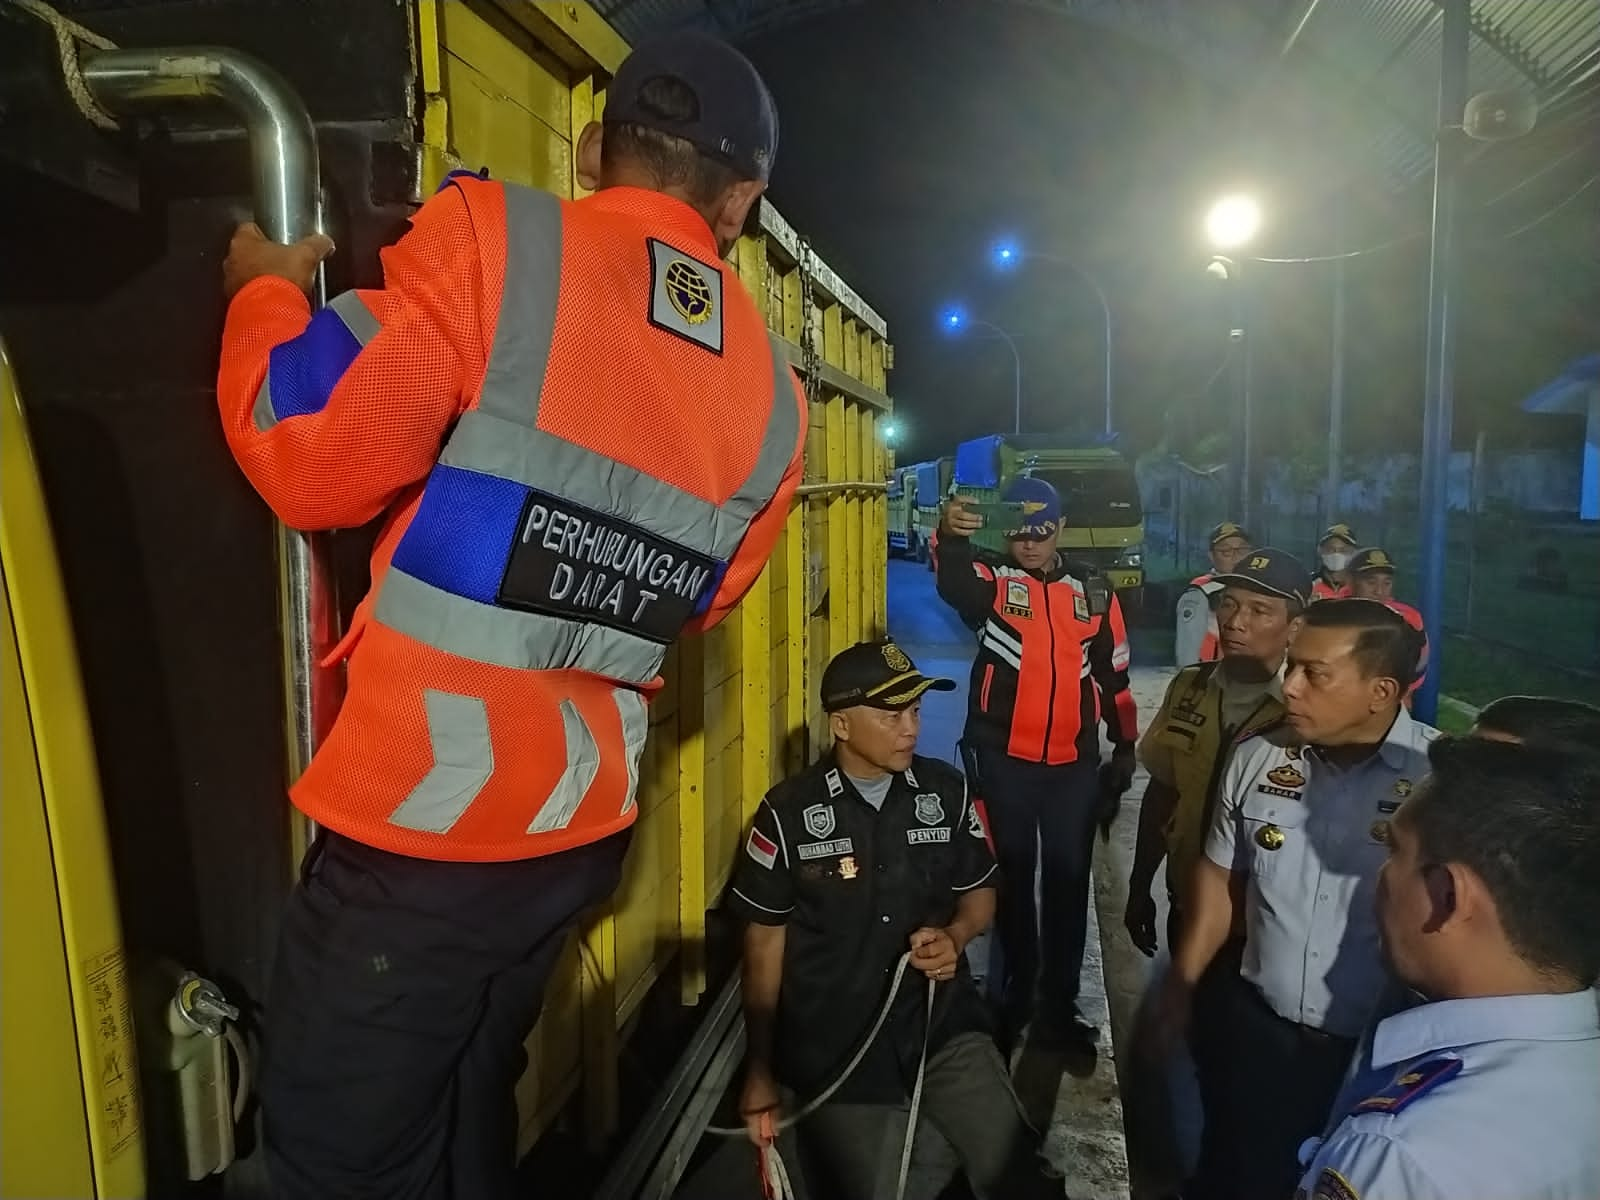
(624, 422)
(1211, 643)
(1323, 589)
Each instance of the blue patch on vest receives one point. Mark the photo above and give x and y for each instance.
(461, 173)
(1409, 1084)
(462, 532)
(717, 572)
(304, 370)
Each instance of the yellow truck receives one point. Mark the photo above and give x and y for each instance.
(1102, 519)
(162, 634)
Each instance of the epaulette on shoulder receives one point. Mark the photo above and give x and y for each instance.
(1411, 1084)
(1273, 733)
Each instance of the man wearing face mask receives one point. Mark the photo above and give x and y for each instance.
(1196, 638)
(868, 854)
(1294, 851)
(1052, 660)
(1334, 551)
(1489, 907)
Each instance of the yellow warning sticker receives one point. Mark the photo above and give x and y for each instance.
(114, 1090)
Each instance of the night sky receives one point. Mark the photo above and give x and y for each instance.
(912, 142)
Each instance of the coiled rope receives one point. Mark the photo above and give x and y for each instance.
(775, 1175)
(70, 36)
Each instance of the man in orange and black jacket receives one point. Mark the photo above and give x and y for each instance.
(1052, 661)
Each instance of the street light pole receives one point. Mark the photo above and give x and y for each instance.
(1007, 254)
(1439, 380)
(1016, 362)
(1231, 223)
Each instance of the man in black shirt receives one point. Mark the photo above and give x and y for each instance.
(867, 855)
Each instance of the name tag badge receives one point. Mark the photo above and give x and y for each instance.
(571, 561)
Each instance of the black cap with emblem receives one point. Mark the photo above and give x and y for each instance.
(735, 120)
(1273, 572)
(876, 675)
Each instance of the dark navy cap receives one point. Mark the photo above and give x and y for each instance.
(876, 675)
(1339, 530)
(1227, 529)
(1041, 508)
(1273, 572)
(1373, 558)
(736, 120)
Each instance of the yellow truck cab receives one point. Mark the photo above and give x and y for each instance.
(161, 636)
(1102, 518)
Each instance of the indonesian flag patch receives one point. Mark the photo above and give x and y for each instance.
(761, 848)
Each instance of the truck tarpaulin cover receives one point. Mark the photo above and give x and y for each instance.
(978, 462)
(928, 485)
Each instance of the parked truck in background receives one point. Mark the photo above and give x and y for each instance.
(1102, 520)
(933, 485)
(901, 490)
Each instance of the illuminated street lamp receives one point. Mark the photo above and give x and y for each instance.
(1008, 254)
(955, 321)
(1233, 221)
(891, 432)
(1231, 224)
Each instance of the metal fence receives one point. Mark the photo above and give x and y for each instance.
(1523, 586)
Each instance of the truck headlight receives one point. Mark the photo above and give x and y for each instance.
(1131, 558)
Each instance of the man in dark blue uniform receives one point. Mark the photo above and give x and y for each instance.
(870, 854)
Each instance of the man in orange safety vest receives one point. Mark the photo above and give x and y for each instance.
(583, 444)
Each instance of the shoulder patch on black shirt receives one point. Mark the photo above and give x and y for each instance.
(1410, 1084)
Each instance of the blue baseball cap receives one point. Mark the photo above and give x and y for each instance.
(1041, 508)
(734, 120)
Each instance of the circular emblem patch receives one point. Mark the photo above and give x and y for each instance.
(896, 658)
(688, 292)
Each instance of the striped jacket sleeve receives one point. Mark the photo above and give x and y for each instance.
(1108, 664)
(333, 415)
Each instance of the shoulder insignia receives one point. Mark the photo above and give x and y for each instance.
(1331, 1185)
(685, 296)
(1412, 1082)
(1272, 732)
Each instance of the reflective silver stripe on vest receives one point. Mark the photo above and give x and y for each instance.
(507, 638)
(352, 310)
(463, 760)
(583, 764)
(500, 438)
(635, 729)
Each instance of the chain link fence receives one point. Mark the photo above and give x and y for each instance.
(1522, 588)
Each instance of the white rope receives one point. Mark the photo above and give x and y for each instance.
(69, 36)
(772, 1166)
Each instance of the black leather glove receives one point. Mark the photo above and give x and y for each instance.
(1115, 778)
